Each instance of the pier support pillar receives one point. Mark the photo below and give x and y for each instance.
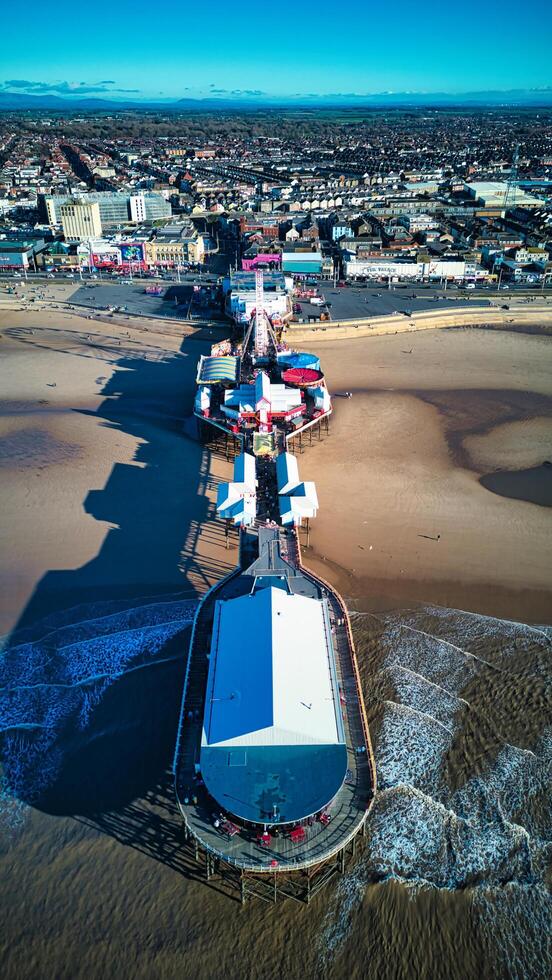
(341, 860)
(242, 888)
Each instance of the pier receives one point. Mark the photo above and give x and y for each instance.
(275, 812)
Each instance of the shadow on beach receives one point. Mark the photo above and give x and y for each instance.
(93, 671)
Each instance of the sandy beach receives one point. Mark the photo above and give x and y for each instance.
(101, 490)
(102, 494)
(403, 515)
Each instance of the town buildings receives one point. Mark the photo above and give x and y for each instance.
(383, 196)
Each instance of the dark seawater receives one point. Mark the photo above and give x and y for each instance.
(533, 484)
(454, 880)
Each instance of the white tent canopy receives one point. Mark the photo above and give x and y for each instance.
(237, 501)
(271, 679)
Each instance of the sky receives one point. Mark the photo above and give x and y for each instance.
(137, 49)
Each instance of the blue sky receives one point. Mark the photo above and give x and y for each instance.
(138, 49)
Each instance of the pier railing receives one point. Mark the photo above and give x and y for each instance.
(354, 662)
(207, 595)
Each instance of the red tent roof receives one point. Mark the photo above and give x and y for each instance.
(300, 377)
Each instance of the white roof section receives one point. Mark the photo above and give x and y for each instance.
(245, 469)
(322, 398)
(202, 398)
(302, 503)
(262, 395)
(296, 500)
(287, 472)
(495, 191)
(262, 388)
(237, 501)
(302, 256)
(271, 675)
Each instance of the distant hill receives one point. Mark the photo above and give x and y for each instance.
(513, 97)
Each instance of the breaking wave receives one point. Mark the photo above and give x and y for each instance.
(57, 676)
(460, 706)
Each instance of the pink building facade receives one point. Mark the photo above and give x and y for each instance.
(263, 258)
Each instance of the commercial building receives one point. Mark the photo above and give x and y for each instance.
(115, 209)
(15, 255)
(382, 269)
(259, 258)
(302, 263)
(432, 269)
(418, 222)
(240, 296)
(498, 194)
(174, 245)
(80, 220)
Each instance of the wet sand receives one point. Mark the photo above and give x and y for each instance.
(403, 515)
(108, 508)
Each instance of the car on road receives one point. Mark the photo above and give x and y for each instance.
(51, 275)
(69, 275)
(127, 282)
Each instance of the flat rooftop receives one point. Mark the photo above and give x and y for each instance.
(273, 744)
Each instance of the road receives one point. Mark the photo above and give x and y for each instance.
(351, 302)
(355, 302)
(178, 300)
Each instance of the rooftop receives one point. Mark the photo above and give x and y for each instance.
(273, 736)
